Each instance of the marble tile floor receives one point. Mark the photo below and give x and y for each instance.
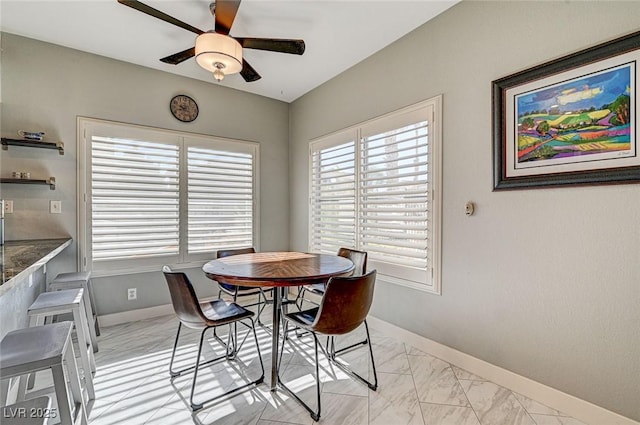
(133, 385)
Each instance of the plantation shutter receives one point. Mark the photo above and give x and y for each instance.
(375, 187)
(220, 199)
(333, 194)
(134, 198)
(394, 194)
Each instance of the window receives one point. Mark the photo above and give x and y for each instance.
(376, 187)
(151, 197)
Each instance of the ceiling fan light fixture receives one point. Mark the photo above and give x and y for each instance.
(218, 74)
(218, 53)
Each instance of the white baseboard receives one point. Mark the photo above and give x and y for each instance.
(140, 314)
(582, 410)
(135, 315)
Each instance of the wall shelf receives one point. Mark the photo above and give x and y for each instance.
(51, 181)
(6, 142)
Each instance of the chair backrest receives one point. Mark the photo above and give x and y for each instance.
(184, 299)
(359, 258)
(345, 304)
(229, 252)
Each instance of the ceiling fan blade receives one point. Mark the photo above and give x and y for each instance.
(281, 45)
(179, 57)
(225, 13)
(248, 73)
(141, 7)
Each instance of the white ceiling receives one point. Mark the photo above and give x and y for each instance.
(338, 34)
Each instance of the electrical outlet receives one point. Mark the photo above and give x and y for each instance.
(8, 207)
(132, 294)
(55, 207)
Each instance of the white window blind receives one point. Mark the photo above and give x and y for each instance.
(394, 196)
(333, 203)
(151, 197)
(221, 197)
(379, 191)
(134, 197)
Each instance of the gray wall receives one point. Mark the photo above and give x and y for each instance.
(15, 302)
(45, 87)
(545, 283)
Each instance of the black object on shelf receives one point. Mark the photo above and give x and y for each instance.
(6, 142)
(51, 182)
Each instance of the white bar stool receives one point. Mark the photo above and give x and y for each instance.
(30, 350)
(68, 301)
(88, 286)
(92, 322)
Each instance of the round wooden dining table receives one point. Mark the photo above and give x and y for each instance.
(278, 270)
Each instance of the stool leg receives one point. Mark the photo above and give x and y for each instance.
(34, 320)
(62, 395)
(90, 320)
(4, 390)
(92, 299)
(76, 398)
(83, 317)
(86, 350)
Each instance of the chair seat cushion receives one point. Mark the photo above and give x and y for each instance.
(242, 290)
(316, 288)
(305, 318)
(221, 312)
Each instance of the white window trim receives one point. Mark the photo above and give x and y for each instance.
(434, 108)
(84, 234)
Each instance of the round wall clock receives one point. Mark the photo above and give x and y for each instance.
(184, 108)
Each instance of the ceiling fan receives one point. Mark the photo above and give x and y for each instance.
(216, 50)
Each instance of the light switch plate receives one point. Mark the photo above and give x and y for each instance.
(55, 207)
(8, 207)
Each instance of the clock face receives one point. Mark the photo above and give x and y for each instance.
(184, 108)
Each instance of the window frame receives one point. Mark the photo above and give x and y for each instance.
(183, 260)
(403, 276)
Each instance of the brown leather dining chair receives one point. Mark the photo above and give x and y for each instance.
(344, 307)
(204, 316)
(359, 259)
(242, 291)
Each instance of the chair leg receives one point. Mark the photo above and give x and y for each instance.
(255, 337)
(261, 306)
(194, 406)
(235, 326)
(214, 329)
(342, 350)
(332, 357)
(198, 406)
(315, 415)
(300, 298)
(174, 373)
(173, 353)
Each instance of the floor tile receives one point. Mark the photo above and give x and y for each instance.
(448, 415)
(554, 420)
(464, 374)
(395, 401)
(390, 356)
(415, 388)
(495, 405)
(344, 410)
(435, 381)
(532, 406)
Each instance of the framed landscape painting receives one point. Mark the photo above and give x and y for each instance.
(569, 121)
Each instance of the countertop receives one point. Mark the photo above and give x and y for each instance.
(21, 258)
